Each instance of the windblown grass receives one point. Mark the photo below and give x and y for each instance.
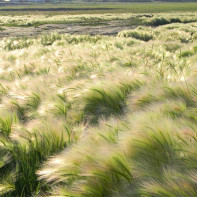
(100, 116)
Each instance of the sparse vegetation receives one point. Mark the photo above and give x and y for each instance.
(130, 19)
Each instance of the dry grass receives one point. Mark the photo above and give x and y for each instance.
(99, 116)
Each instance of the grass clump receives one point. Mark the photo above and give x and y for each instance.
(6, 122)
(159, 21)
(108, 100)
(50, 39)
(171, 35)
(172, 46)
(27, 156)
(14, 44)
(81, 39)
(104, 101)
(62, 106)
(139, 34)
(186, 53)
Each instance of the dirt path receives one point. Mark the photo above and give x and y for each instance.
(112, 28)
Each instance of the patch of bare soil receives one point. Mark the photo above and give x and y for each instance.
(111, 28)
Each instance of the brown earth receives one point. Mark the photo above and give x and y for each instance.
(111, 28)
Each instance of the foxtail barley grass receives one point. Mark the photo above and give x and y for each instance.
(94, 116)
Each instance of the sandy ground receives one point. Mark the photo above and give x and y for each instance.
(111, 28)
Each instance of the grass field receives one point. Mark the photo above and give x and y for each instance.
(97, 13)
(97, 19)
(97, 8)
(100, 116)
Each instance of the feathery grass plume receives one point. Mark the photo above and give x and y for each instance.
(87, 173)
(43, 71)
(28, 157)
(7, 171)
(103, 180)
(62, 106)
(25, 106)
(140, 33)
(102, 101)
(182, 92)
(188, 138)
(7, 184)
(173, 183)
(192, 78)
(3, 90)
(175, 35)
(14, 44)
(147, 96)
(27, 70)
(173, 141)
(108, 100)
(172, 46)
(50, 39)
(154, 147)
(20, 110)
(6, 121)
(173, 108)
(33, 101)
(144, 139)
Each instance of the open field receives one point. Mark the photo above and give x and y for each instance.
(100, 116)
(98, 105)
(90, 18)
(97, 24)
(97, 8)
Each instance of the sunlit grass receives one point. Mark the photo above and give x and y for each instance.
(98, 116)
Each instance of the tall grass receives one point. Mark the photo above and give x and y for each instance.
(26, 156)
(108, 100)
(100, 115)
(139, 34)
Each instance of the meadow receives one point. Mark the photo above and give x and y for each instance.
(96, 8)
(100, 116)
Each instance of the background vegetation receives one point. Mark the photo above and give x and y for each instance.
(123, 19)
(66, 8)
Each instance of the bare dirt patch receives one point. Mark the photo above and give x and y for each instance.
(111, 28)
